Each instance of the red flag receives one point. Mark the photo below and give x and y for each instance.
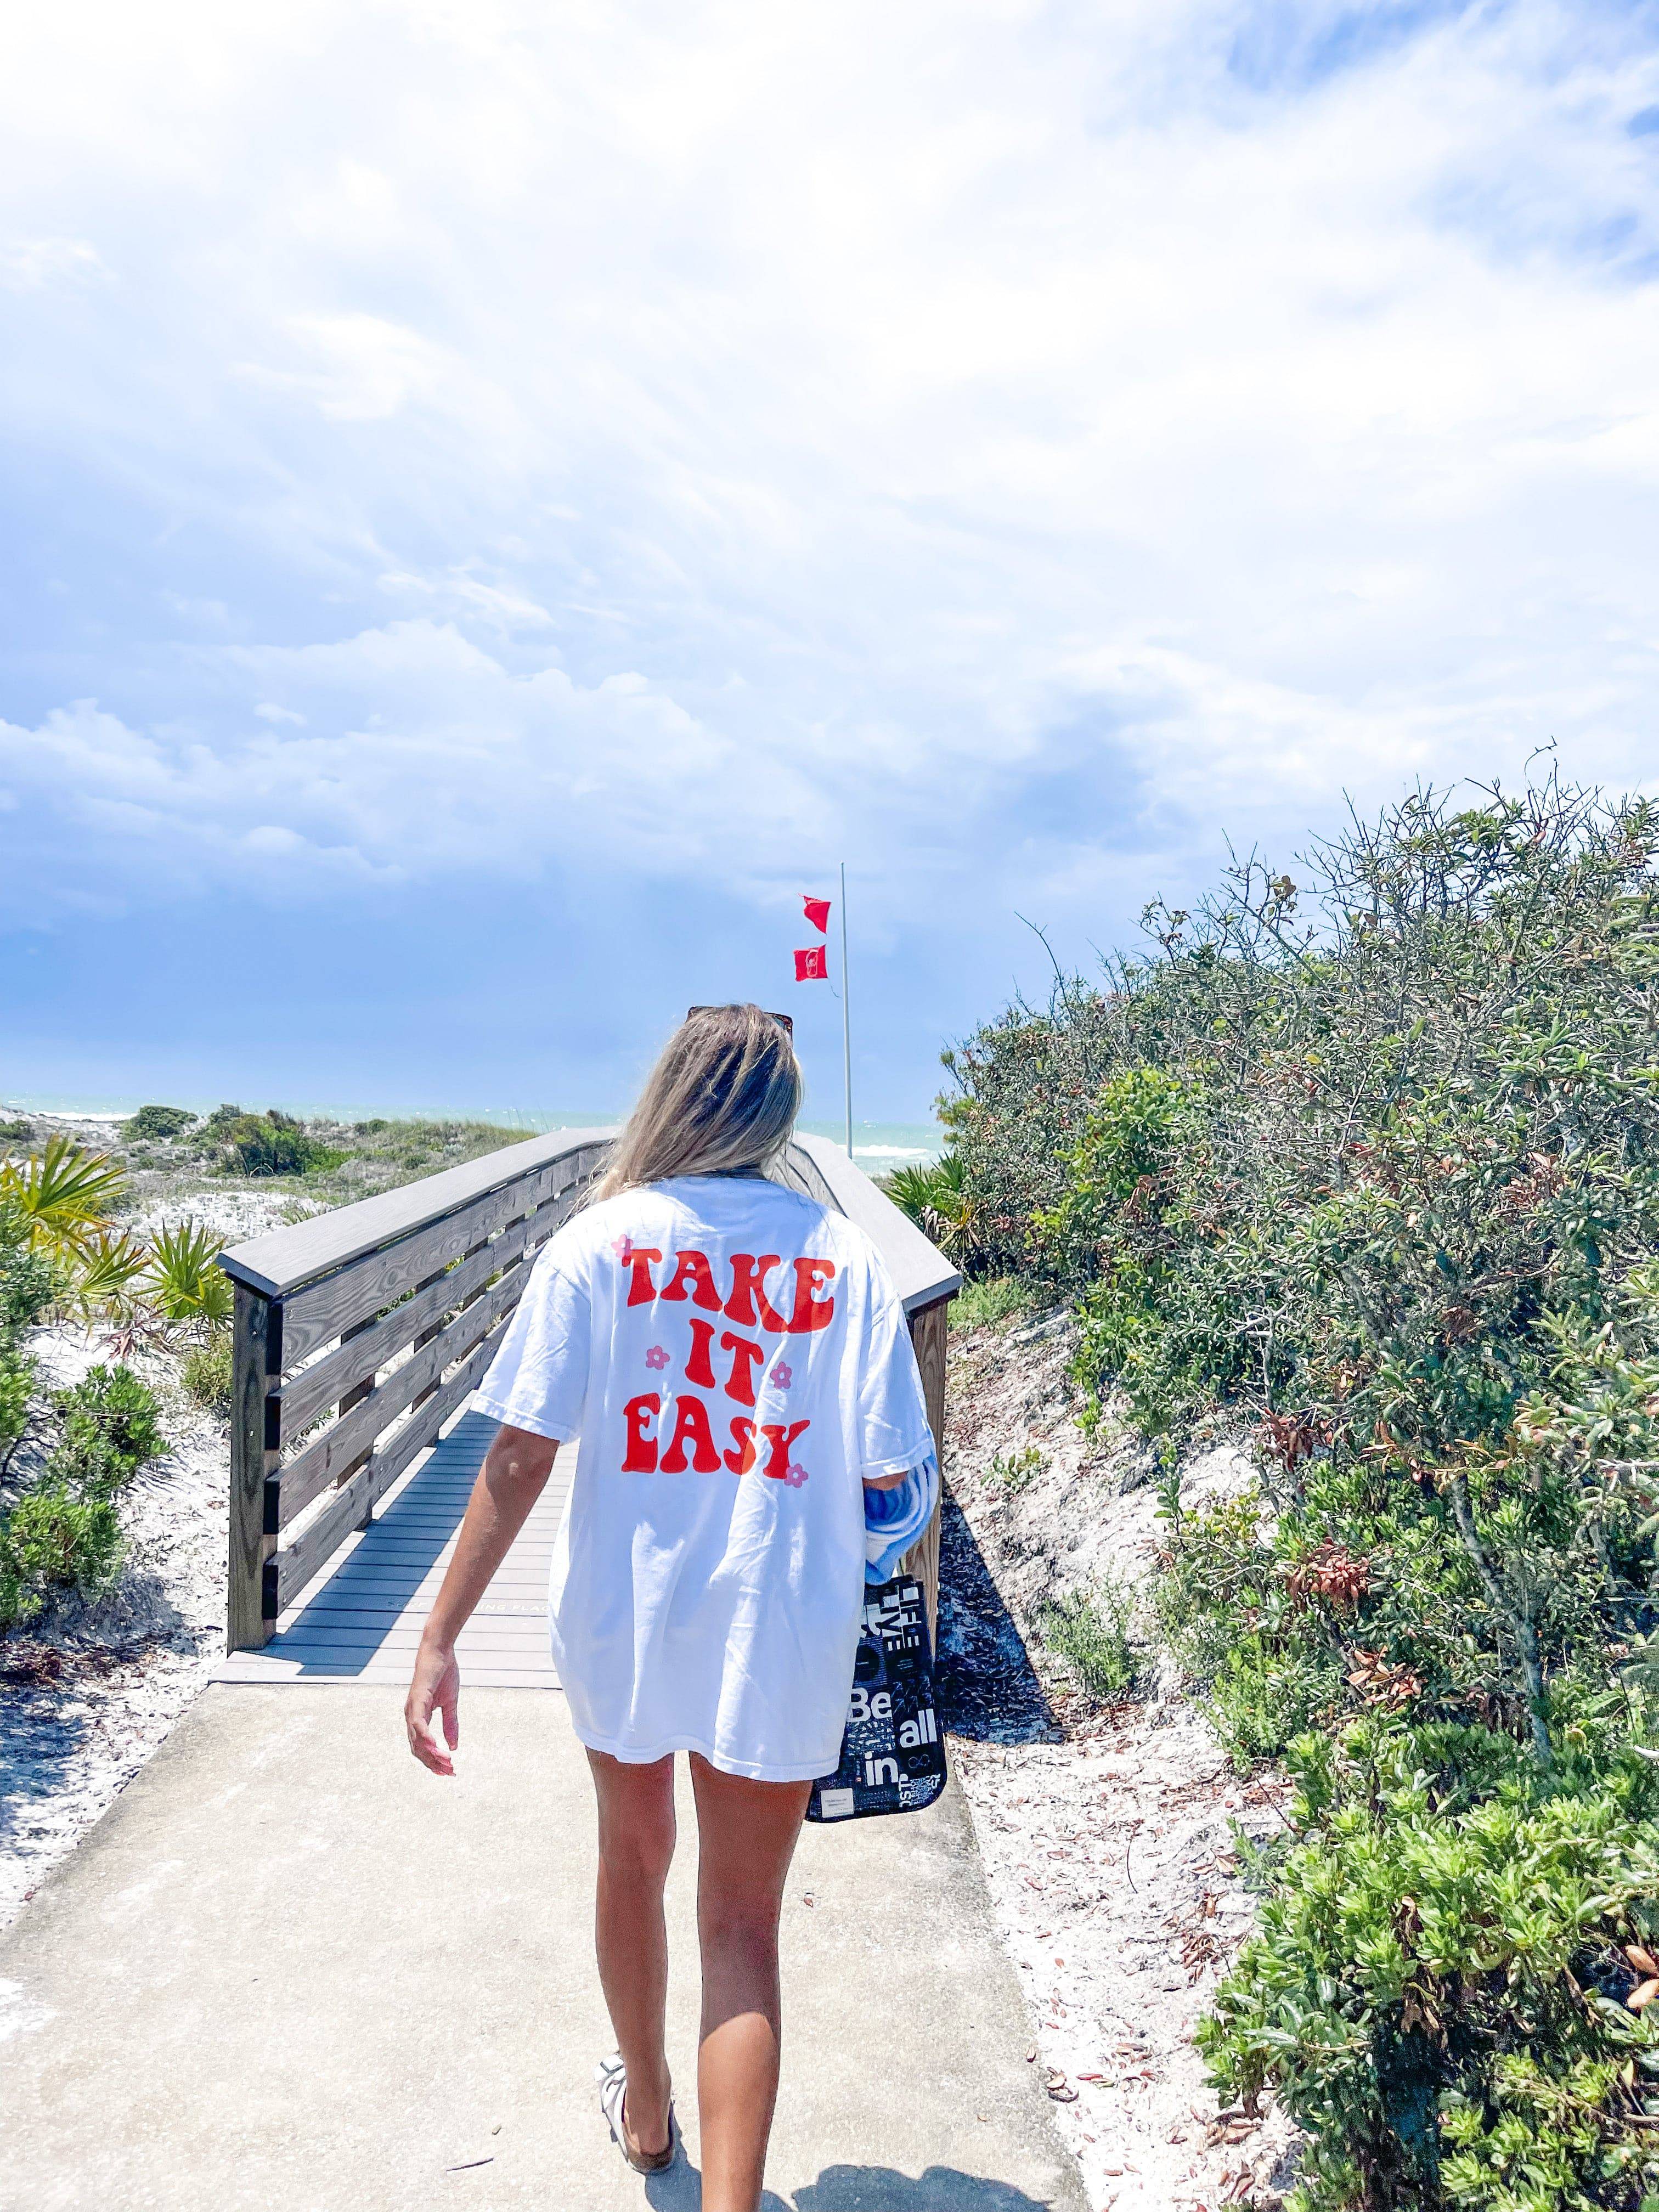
(812, 966)
(818, 913)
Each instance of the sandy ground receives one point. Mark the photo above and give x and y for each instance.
(91, 1690)
(1107, 1834)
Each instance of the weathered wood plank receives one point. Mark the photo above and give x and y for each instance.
(326, 1309)
(291, 1569)
(929, 1334)
(309, 1474)
(257, 1353)
(280, 1263)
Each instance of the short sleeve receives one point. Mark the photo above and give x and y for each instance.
(894, 1430)
(538, 1379)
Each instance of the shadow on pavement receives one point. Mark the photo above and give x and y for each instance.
(878, 2188)
(859, 2189)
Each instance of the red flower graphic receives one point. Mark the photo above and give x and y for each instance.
(656, 1356)
(782, 1376)
(796, 1475)
(623, 1248)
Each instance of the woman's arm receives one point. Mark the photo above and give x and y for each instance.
(513, 1477)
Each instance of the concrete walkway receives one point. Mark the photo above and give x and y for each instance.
(291, 1971)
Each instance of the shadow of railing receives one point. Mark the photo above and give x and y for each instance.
(985, 1686)
(379, 1580)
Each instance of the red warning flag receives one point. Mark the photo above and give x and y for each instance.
(812, 966)
(818, 913)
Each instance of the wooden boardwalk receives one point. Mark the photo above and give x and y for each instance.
(361, 1622)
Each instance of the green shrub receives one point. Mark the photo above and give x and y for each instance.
(27, 1280)
(207, 1373)
(159, 1123)
(1015, 1471)
(1091, 1633)
(995, 1301)
(1364, 1172)
(110, 1425)
(1437, 1991)
(271, 1144)
(26, 1285)
(54, 1540)
(16, 1390)
(16, 1133)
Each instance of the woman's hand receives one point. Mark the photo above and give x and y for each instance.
(436, 1688)
(513, 1477)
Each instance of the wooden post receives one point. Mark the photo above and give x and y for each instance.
(255, 1453)
(928, 1334)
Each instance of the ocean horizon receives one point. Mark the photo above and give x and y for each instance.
(878, 1147)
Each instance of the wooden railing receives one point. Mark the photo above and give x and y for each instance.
(361, 1333)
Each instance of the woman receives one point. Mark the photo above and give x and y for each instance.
(732, 1366)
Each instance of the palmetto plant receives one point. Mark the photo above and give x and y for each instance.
(62, 1198)
(184, 1284)
(936, 1200)
(105, 1280)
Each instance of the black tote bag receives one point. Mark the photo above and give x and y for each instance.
(892, 1757)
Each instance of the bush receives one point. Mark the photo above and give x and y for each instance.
(159, 1123)
(1439, 1991)
(270, 1144)
(110, 1427)
(1364, 1172)
(52, 1540)
(26, 1284)
(207, 1373)
(1092, 1635)
(16, 1388)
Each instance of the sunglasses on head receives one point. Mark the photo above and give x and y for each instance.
(785, 1022)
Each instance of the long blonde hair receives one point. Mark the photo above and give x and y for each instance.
(723, 1098)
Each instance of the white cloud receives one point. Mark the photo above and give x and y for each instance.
(29, 264)
(778, 426)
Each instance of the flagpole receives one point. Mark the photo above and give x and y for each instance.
(846, 1014)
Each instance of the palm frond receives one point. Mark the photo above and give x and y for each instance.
(184, 1281)
(936, 1200)
(102, 1277)
(63, 1196)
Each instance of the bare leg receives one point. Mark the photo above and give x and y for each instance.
(747, 1833)
(636, 1846)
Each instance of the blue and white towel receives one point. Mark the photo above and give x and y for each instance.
(893, 1519)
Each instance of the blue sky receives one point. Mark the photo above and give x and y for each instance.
(499, 498)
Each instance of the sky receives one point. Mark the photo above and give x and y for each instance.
(497, 501)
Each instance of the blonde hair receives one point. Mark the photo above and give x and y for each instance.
(722, 1097)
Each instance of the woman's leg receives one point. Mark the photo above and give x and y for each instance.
(636, 1846)
(747, 1833)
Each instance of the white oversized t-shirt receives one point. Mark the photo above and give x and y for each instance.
(733, 1361)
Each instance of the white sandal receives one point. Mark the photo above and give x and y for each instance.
(613, 2078)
